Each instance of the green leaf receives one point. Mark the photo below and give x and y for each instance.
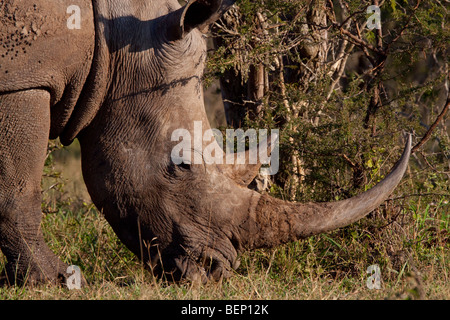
(394, 6)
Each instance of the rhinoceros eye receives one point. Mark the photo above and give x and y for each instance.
(185, 166)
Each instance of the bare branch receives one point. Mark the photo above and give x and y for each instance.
(360, 42)
(427, 135)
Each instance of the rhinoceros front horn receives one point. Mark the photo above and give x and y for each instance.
(272, 221)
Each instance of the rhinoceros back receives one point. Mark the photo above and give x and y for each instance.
(43, 45)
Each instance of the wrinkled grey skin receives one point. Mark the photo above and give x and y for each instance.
(121, 85)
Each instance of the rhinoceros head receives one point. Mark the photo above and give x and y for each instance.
(185, 215)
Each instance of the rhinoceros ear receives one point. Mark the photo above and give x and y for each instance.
(200, 14)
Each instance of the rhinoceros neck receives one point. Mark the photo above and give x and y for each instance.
(129, 47)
